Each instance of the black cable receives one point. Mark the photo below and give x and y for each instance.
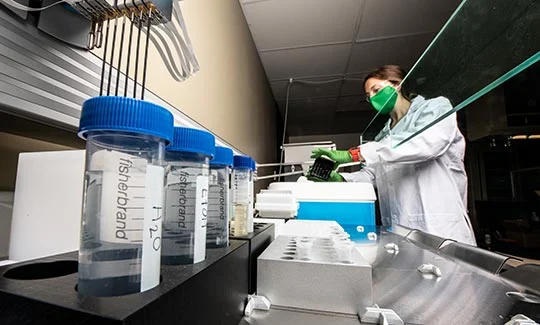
(104, 59)
(120, 57)
(367, 127)
(112, 57)
(285, 125)
(137, 56)
(327, 81)
(145, 62)
(129, 53)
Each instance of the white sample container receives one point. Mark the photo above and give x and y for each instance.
(276, 204)
(123, 195)
(186, 196)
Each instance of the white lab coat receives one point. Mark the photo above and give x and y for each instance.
(422, 183)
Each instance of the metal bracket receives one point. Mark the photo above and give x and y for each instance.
(376, 315)
(520, 319)
(391, 248)
(430, 268)
(256, 302)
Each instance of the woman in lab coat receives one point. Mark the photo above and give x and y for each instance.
(422, 183)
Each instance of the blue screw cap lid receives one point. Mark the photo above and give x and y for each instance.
(253, 164)
(113, 113)
(223, 156)
(242, 162)
(193, 140)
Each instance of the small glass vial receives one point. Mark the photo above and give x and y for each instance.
(241, 201)
(123, 195)
(186, 196)
(219, 199)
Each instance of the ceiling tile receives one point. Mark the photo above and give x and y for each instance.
(305, 62)
(285, 23)
(403, 51)
(404, 17)
(311, 88)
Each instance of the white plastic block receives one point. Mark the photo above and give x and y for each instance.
(276, 204)
(47, 204)
(327, 192)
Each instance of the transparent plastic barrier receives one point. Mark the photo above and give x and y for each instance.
(483, 44)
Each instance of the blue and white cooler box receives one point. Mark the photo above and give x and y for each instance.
(352, 205)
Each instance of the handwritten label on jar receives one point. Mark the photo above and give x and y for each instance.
(153, 218)
(201, 218)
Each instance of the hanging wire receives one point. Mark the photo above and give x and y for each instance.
(367, 127)
(327, 81)
(137, 55)
(146, 18)
(129, 52)
(139, 26)
(343, 79)
(291, 81)
(145, 62)
(104, 59)
(112, 57)
(285, 124)
(120, 57)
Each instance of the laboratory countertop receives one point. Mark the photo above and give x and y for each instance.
(463, 294)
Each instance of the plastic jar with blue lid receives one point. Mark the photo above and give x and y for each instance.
(219, 205)
(241, 182)
(123, 195)
(186, 196)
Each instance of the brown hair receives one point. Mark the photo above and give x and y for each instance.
(393, 73)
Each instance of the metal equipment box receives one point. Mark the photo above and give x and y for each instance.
(319, 282)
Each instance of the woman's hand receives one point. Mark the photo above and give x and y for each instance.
(338, 156)
(334, 177)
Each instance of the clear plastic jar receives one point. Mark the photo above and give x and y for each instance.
(186, 196)
(219, 203)
(123, 195)
(241, 190)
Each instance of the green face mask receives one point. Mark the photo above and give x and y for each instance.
(385, 100)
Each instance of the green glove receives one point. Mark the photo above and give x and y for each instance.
(334, 177)
(339, 156)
